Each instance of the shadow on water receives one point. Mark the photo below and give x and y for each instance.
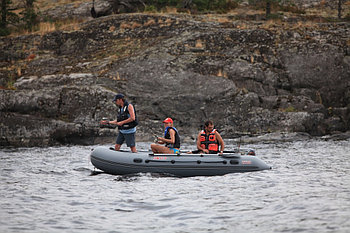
(123, 178)
(128, 178)
(82, 169)
(122, 210)
(133, 177)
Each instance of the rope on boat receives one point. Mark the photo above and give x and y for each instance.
(173, 161)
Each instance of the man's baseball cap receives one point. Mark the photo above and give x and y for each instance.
(168, 120)
(118, 96)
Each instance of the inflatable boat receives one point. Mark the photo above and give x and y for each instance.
(181, 165)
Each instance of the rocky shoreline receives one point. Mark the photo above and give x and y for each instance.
(250, 80)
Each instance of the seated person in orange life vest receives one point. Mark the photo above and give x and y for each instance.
(209, 139)
(171, 140)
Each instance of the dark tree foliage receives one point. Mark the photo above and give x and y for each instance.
(4, 14)
(30, 17)
(268, 5)
(219, 6)
(268, 8)
(340, 3)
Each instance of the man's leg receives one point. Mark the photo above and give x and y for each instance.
(133, 149)
(130, 141)
(161, 149)
(119, 142)
(154, 148)
(117, 146)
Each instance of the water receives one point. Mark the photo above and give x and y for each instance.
(53, 190)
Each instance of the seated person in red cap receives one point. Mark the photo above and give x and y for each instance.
(171, 140)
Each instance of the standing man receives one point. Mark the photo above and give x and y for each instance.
(126, 122)
(171, 139)
(209, 139)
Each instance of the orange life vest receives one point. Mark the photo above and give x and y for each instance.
(208, 141)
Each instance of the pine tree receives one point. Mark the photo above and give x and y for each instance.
(269, 4)
(339, 8)
(268, 8)
(29, 15)
(4, 14)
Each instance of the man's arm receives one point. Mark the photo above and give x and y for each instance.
(221, 142)
(172, 137)
(199, 144)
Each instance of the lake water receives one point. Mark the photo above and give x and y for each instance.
(55, 190)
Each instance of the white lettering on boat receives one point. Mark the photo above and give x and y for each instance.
(246, 162)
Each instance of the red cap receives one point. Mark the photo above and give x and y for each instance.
(168, 120)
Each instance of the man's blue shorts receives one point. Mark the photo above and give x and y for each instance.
(129, 138)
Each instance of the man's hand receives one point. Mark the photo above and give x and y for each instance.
(104, 122)
(160, 140)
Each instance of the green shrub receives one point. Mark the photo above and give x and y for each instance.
(274, 16)
(4, 31)
(289, 109)
(150, 8)
(347, 17)
(30, 18)
(219, 6)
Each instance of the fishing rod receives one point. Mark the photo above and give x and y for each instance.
(104, 124)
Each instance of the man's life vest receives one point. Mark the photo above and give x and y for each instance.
(167, 136)
(209, 142)
(124, 114)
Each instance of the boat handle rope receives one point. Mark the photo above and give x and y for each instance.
(173, 161)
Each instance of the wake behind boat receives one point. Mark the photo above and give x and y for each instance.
(183, 165)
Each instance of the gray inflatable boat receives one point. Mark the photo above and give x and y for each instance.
(183, 165)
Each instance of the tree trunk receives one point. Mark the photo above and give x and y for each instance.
(3, 22)
(29, 3)
(268, 8)
(339, 8)
(186, 4)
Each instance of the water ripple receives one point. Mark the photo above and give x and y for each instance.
(56, 189)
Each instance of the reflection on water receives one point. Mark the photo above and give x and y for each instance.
(57, 190)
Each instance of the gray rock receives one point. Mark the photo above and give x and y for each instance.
(251, 81)
(272, 138)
